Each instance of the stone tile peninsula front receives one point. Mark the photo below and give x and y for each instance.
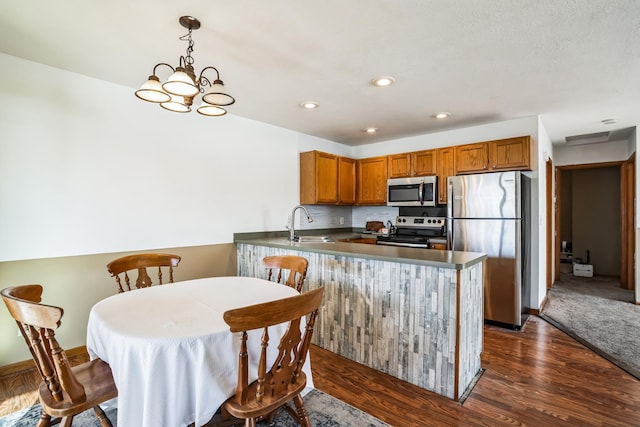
(412, 316)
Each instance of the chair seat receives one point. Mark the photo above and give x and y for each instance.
(98, 384)
(268, 404)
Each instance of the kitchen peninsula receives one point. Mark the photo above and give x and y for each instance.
(415, 314)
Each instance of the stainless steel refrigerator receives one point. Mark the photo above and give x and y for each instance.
(489, 213)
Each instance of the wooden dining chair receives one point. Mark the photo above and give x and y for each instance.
(285, 380)
(141, 262)
(290, 268)
(65, 391)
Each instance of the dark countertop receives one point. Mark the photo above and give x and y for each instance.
(437, 258)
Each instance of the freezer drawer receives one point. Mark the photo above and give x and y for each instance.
(500, 241)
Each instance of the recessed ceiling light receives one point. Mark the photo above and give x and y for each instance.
(383, 81)
(609, 121)
(442, 115)
(309, 105)
(370, 130)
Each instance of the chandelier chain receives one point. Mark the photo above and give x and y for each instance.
(187, 37)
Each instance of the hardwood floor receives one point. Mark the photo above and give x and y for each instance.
(535, 377)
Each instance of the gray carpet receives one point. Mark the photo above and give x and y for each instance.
(324, 411)
(598, 313)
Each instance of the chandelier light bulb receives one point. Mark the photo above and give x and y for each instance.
(211, 110)
(216, 96)
(152, 91)
(179, 83)
(177, 105)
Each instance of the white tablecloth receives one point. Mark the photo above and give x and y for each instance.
(173, 358)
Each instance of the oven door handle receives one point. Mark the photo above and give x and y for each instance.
(404, 245)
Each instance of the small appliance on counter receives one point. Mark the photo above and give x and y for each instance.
(373, 227)
(415, 232)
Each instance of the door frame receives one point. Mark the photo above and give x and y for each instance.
(627, 210)
(549, 196)
(627, 214)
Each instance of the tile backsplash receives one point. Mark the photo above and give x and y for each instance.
(352, 216)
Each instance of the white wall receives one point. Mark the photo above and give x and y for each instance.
(539, 246)
(614, 151)
(491, 131)
(86, 167)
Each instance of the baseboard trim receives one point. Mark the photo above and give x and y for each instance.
(26, 365)
(537, 311)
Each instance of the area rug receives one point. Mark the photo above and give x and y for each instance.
(324, 411)
(596, 312)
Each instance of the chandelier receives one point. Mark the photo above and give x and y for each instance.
(177, 93)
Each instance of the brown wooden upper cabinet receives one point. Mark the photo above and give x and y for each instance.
(423, 163)
(326, 179)
(346, 181)
(511, 154)
(489, 156)
(419, 163)
(472, 158)
(372, 181)
(446, 168)
(399, 165)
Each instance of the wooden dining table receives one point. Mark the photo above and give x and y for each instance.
(173, 358)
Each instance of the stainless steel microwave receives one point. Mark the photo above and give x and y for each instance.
(414, 191)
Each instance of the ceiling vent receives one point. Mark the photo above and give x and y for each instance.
(589, 138)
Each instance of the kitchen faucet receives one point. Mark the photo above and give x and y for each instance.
(292, 231)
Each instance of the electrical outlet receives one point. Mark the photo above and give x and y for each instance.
(341, 220)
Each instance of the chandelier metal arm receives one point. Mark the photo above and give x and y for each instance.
(162, 63)
(203, 81)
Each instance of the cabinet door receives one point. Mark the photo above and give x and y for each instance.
(318, 178)
(511, 154)
(446, 168)
(346, 181)
(399, 165)
(423, 163)
(372, 181)
(472, 158)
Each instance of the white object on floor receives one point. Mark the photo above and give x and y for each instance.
(584, 270)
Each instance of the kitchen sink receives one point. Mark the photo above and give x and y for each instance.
(314, 239)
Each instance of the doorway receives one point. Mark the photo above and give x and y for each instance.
(593, 215)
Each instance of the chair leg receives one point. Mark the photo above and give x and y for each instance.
(45, 420)
(102, 417)
(250, 422)
(66, 422)
(303, 417)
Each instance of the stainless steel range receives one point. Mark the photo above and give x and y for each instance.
(415, 232)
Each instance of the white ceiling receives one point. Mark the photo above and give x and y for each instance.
(573, 62)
